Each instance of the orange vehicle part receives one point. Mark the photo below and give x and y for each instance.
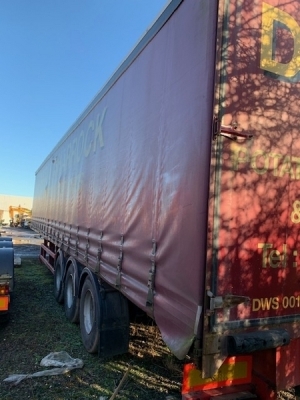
(4, 302)
(234, 371)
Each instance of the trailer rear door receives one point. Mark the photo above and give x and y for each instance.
(254, 220)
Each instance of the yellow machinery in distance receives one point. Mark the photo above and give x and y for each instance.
(19, 216)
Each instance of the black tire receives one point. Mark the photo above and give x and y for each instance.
(71, 301)
(90, 316)
(58, 279)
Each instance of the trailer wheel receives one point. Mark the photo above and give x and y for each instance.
(89, 316)
(71, 301)
(58, 279)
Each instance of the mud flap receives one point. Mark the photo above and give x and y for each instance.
(114, 323)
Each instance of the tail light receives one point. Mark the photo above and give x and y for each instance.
(4, 289)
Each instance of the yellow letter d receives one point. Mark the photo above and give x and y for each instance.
(269, 15)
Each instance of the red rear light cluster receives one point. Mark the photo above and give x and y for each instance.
(4, 289)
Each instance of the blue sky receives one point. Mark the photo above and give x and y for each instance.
(55, 55)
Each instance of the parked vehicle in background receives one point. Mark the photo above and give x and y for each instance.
(19, 216)
(177, 191)
(6, 274)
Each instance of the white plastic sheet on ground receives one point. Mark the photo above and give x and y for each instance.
(61, 359)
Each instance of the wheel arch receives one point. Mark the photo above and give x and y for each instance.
(88, 273)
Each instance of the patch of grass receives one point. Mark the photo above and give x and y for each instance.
(38, 326)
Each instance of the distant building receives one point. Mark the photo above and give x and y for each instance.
(15, 201)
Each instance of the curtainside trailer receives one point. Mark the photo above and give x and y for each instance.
(177, 191)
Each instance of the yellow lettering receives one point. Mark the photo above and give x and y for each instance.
(275, 303)
(287, 168)
(262, 162)
(269, 16)
(297, 161)
(295, 215)
(266, 303)
(274, 258)
(285, 302)
(259, 157)
(265, 247)
(255, 304)
(239, 155)
(275, 158)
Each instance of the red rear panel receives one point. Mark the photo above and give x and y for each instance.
(255, 193)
